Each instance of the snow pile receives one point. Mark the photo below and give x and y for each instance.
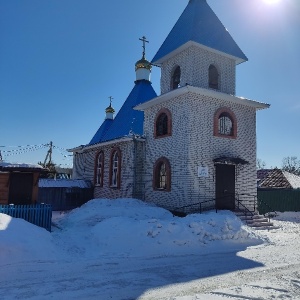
(290, 217)
(20, 240)
(129, 227)
(128, 249)
(122, 228)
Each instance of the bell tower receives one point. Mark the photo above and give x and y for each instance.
(199, 51)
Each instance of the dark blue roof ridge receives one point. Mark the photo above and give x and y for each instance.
(200, 24)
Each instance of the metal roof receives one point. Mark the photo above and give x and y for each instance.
(198, 23)
(277, 178)
(101, 131)
(64, 183)
(128, 121)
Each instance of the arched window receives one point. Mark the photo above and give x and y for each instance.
(225, 123)
(162, 175)
(163, 123)
(213, 77)
(175, 80)
(115, 168)
(99, 169)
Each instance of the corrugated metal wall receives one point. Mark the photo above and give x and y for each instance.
(279, 200)
(64, 198)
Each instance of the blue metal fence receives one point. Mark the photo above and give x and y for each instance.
(37, 214)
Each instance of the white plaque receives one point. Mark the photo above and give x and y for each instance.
(202, 171)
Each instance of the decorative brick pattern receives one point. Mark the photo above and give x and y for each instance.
(194, 63)
(132, 168)
(193, 144)
(193, 140)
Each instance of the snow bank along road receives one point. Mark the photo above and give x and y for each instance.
(230, 261)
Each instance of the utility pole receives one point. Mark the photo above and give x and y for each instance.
(48, 155)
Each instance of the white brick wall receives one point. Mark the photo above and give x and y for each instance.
(193, 144)
(132, 158)
(194, 63)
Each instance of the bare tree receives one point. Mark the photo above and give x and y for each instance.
(291, 164)
(260, 164)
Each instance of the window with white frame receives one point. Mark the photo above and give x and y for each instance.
(99, 169)
(115, 168)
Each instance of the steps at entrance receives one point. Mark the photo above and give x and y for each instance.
(256, 221)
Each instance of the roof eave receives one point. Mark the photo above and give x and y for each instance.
(158, 62)
(202, 91)
(106, 143)
(75, 149)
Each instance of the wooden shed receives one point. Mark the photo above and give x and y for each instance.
(19, 183)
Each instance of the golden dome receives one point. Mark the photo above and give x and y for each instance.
(109, 109)
(143, 64)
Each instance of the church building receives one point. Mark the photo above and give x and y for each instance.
(196, 141)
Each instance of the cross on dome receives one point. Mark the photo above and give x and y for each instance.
(143, 66)
(109, 109)
(144, 40)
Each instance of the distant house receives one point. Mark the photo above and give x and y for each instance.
(276, 178)
(278, 190)
(19, 183)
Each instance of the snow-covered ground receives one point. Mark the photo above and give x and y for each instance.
(127, 249)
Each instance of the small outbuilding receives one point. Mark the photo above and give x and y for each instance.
(19, 183)
(278, 190)
(277, 179)
(64, 194)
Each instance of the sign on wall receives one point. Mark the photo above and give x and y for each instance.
(203, 172)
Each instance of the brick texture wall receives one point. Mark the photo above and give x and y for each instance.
(193, 144)
(132, 158)
(194, 63)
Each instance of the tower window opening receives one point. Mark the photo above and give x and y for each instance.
(175, 83)
(213, 77)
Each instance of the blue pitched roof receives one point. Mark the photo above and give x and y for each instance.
(128, 120)
(101, 131)
(198, 23)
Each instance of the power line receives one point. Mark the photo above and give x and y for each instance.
(22, 149)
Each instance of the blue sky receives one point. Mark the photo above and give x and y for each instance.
(60, 60)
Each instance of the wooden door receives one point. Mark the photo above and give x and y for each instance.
(225, 186)
(20, 188)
